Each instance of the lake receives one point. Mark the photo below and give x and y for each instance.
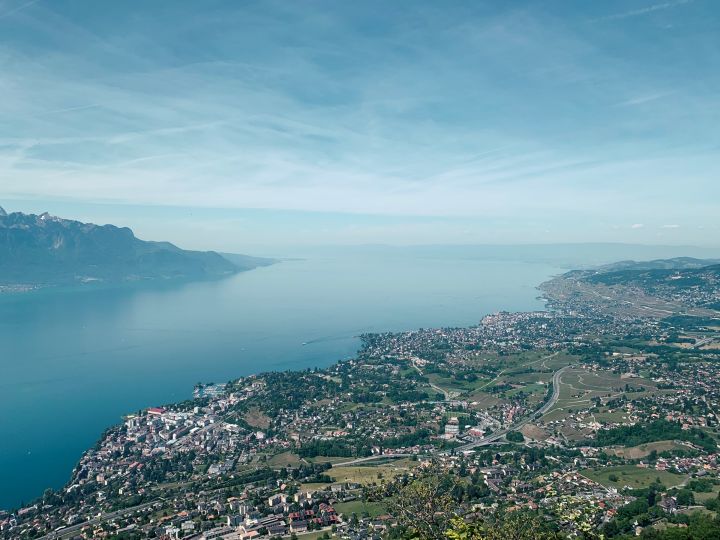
(74, 362)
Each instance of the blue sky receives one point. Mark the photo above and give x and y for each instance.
(226, 124)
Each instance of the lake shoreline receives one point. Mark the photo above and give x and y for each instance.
(155, 343)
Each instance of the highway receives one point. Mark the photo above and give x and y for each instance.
(704, 341)
(518, 425)
(555, 395)
(557, 376)
(370, 458)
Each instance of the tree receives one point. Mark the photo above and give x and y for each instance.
(513, 526)
(515, 436)
(424, 506)
(685, 497)
(611, 529)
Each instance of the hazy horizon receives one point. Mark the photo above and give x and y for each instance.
(277, 233)
(576, 254)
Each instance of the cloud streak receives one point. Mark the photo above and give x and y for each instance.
(644, 11)
(17, 9)
(502, 113)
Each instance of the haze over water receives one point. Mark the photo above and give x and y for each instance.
(74, 363)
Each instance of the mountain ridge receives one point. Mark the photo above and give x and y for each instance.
(44, 250)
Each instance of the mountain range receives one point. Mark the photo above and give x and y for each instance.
(44, 250)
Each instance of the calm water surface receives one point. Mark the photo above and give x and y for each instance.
(72, 363)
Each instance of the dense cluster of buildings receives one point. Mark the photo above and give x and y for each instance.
(210, 467)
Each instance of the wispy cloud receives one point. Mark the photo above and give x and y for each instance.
(472, 111)
(17, 9)
(644, 11)
(71, 109)
(642, 99)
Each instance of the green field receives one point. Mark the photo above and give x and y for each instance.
(633, 477)
(605, 416)
(528, 378)
(326, 459)
(643, 450)
(700, 498)
(367, 474)
(578, 387)
(450, 384)
(540, 363)
(313, 486)
(483, 399)
(530, 388)
(359, 507)
(284, 459)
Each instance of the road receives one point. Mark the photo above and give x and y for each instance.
(448, 394)
(518, 425)
(555, 395)
(499, 375)
(371, 458)
(481, 442)
(104, 517)
(490, 438)
(704, 341)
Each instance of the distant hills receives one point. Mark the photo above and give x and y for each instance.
(697, 282)
(568, 255)
(678, 273)
(677, 263)
(44, 250)
(662, 287)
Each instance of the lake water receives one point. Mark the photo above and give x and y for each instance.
(72, 363)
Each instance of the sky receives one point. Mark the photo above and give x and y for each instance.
(239, 124)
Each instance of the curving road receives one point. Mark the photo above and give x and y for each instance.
(537, 414)
(556, 392)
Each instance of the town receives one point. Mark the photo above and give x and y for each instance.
(593, 420)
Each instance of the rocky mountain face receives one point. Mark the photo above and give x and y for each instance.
(41, 250)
